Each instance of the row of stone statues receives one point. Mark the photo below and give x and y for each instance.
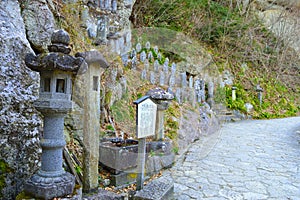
(186, 88)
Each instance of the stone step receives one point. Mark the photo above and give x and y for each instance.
(226, 115)
(228, 118)
(158, 189)
(224, 112)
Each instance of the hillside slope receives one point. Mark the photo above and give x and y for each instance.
(241, 39)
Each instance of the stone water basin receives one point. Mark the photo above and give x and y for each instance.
(119, 155)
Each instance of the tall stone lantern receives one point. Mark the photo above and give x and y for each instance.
(56, 69)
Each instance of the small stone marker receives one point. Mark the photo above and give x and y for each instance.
(159, 56)
(156, 65)
(143, 56)
(233, 93)
(148, 45)
(138, 47)
(191, 81)
(155, 49)
(146, 65)
(144, 74)
(152, 78)
(173, 68)
(150, 56)
(259, 91)
(114, 6)
(133, 53)
(145, 126)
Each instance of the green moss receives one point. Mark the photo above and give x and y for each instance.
(171, 125)
(107, 99)
(4, 168)
(123, 114)
(23, 196)
(220, 95)
(110, 127)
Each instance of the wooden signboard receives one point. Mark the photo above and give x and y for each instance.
(146, 117)
(145, 126)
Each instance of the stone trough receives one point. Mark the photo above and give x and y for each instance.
(120, 158)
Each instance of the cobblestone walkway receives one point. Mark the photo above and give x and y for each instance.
(245, 160)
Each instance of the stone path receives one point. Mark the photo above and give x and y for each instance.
(255, 159)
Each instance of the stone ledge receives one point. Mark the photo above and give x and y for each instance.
(103, 194)
(158, 189)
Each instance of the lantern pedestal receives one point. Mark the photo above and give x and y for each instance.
(50, 187)
(51, 180)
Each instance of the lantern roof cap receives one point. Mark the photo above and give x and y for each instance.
(58, 57)
(160, 94)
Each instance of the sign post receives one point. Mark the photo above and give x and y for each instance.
(145, 126)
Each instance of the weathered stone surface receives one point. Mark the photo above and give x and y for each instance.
(50, 187)
(193, 125)
(158, 162)
(39, 23)
(122, 161)
(94, 57)
(189, 130)
(84, 119)
(265, 5)
(160, 94)
(19, 121)
(284, 25)
(254, 159)
(158, 189)
(103, 194)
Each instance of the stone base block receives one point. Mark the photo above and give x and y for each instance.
(123, 178)
(50, 187)
(158, 189)
(158, 162)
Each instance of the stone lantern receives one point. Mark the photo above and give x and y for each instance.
(259, 91)
(56, 69)
(162, 99)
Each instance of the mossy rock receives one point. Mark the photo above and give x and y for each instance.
(4, 168)
(23, 196)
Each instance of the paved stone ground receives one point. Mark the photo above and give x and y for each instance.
(255, 159)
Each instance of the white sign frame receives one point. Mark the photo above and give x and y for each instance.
(146, 110)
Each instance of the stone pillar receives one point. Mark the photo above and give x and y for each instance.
(53, 143)
(200, 90)
(210, 99)
(233, 93)
(183, 80)
(91, 127)
(191, 81)
(102, 29)
(91, 130)
(160, 114)
(56, 69)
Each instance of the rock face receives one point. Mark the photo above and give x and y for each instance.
(19, 122)
(194, 125)
(39, 23)
(107, 23)
(282, 17)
